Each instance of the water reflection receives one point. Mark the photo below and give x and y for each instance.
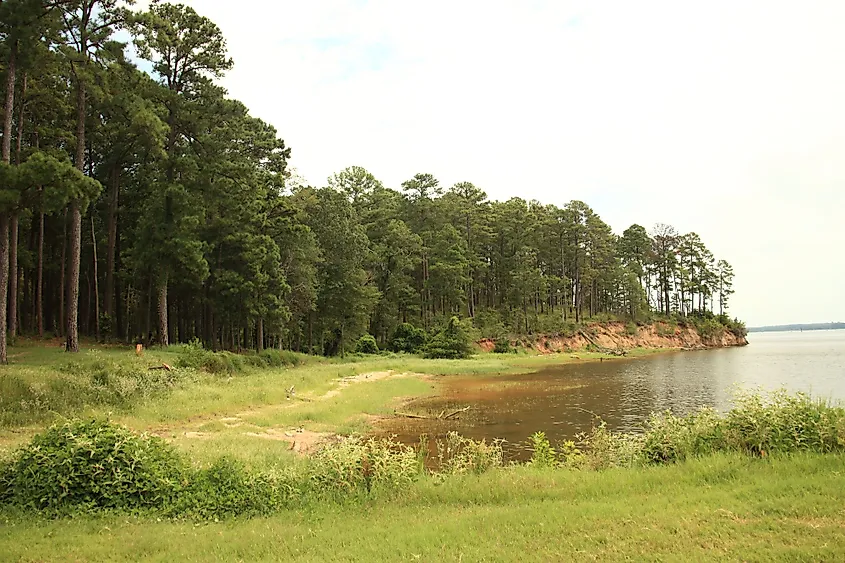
(564, 400)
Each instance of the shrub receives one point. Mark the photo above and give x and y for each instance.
(227, 489)
(669, 438)
(86, 465)
(453, 342)
(281, 358)
(408, 338)
(502, 346)
(366, 345)
(707, 327)
(489, 324)
(353, 464)
(457, 454)
(193, 355)
(543, 454)
(631, 329)
(781, 422)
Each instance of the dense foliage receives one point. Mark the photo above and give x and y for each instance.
(150, 206)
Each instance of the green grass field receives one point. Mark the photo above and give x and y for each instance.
(720, 508)
(724, 506)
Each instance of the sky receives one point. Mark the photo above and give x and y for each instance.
(723, 118)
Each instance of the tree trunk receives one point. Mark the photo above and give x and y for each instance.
(4, 217)
(10, 106)
(259, 340)
(76, 228)
(108, 297)
(4, 282)
(96, 283)
(13, 276)
(21, 104)
(39, 283)
(62, 277)
(162, 313)
(72, 317)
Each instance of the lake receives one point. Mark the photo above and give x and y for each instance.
(564, 400)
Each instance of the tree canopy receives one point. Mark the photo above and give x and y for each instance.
(150, 206)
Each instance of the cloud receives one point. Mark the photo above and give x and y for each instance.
(720, 118)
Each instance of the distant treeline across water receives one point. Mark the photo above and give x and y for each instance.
(811, 326)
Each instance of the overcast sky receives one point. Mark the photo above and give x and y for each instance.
(726, 118)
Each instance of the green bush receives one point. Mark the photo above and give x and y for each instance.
(366, 345)
(631, 329)
(408, 338)
(542, 452)
(502, 346)
(87, 465)
(353, 464)
(707, 328)
(193, 355)
(228, 489)
(489, 324)
(457, 454)
(453, 342)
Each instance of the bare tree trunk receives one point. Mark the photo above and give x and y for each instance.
(76, 229)
(62, 284)
(4, 217)
(162, 313)
(96, 283)
(39, 284)
(4, 282)
(108, 297)
(72, 317)
(259, 340)
(13, 276)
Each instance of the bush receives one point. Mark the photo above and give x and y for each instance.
(502, 346)
(366, 345)
(707, 327)
(543, 454)
(457, 454)
(453, 342)
(631, 329)
(353, 464)
(193, 355)
(227, 489)
(87, 465)
(408, 338)
(281, 358)
(489, 324)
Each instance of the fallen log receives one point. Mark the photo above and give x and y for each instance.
(163, 366)
(451, 414)
(410, 415)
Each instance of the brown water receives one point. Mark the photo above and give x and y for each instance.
(564, 400)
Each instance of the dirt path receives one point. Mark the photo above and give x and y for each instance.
(301, 441)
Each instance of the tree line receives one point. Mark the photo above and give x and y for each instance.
(148, 205)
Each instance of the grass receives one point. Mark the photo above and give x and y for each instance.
(720, 489)
(44, 383)
(725, 506)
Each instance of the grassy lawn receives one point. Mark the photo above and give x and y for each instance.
(723, 507)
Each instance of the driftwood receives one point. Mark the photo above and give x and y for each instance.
(451, 414)
(409, 415)
(163, 366)
(441, 416)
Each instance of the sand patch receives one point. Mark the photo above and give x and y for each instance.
(301, 441)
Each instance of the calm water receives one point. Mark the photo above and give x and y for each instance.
(561, 400)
